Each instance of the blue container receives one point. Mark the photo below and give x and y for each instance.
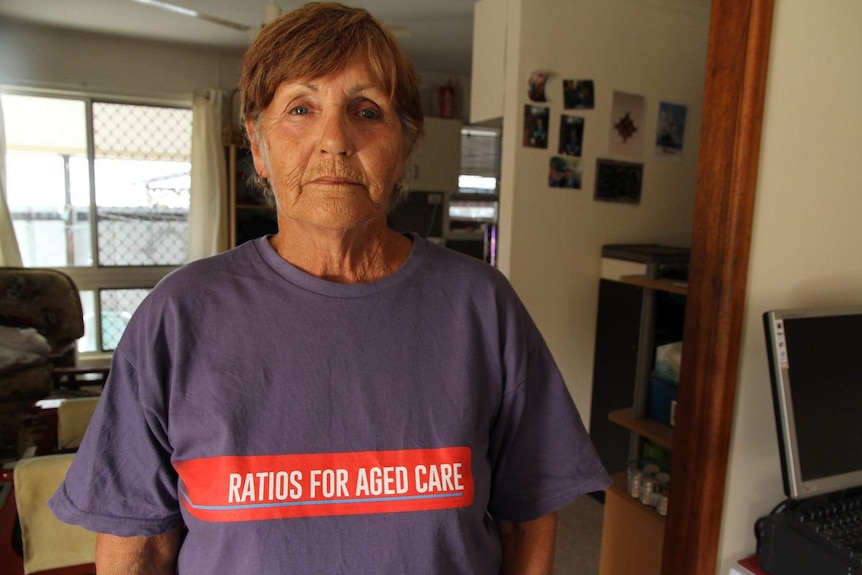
(662, 392)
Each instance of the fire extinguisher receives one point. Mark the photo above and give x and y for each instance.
(447, 100)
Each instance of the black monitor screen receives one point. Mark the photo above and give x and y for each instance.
(816, 367)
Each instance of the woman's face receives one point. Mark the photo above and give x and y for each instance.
(332, 149)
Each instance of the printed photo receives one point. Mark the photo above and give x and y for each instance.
(578, 94)
(564, 173)
(670, 129)
(571, 135)
(536, 89)
(536, 126)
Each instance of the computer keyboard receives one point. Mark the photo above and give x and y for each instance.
(838, 523)
(822, 536)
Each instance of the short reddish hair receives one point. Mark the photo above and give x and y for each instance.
(320, 38)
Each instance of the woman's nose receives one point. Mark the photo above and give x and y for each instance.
(335, 136)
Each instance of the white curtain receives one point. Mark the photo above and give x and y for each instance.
(208, 223)
(10, 255)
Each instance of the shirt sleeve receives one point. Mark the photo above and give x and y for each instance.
(121, 481)
(542, 456)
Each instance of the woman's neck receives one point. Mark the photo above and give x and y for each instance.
(353, 256)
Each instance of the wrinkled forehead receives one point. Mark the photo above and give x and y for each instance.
(356, 73)
(362, 63)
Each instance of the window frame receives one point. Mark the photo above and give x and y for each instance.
(97, 277)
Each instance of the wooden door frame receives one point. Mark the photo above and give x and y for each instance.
(737, 56)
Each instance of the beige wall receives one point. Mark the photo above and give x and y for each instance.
(38, 57)
(551, 238)
(57, 59)
(806, 245)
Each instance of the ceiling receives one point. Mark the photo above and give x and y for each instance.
(438, 33)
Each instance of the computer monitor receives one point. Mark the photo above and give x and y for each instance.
(815, 363)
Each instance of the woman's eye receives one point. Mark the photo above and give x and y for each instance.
(369, 114)
(299, 110)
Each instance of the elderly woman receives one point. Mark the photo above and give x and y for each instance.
(338, 397)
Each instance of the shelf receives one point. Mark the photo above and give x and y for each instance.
(668, 285)
(653, 430)
(619, 484)
(632, 534)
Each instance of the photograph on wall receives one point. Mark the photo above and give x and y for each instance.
(670, 129)
(578, 94)
(536, 88)
(571, 135)
(564, 172)
(627, 125)
(618, 181)
(536, 126)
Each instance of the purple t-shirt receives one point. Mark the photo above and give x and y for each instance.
(296, 425)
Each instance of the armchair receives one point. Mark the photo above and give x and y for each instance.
(45, 304)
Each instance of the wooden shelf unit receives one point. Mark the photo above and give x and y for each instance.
(679, 287)
(633, 533)
(619, 485)
(637, 533)
(653, 430)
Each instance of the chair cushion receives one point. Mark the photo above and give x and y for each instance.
(48, 543)
(21, 347)
(73, 417)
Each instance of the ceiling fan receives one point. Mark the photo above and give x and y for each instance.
(271, 11)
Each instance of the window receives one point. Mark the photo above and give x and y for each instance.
(475, 205)
(100, 190)
(480, 161)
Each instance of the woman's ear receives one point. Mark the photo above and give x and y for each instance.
(256, 149)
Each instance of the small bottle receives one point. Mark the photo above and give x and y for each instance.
(647, 489)
(631, 470)
(635, 478)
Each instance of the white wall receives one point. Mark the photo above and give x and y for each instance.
(551, 238)
(57, 59)
(39, 57)
(806, 245)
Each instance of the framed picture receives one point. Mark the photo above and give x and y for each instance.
(618, 181)
(627, 125)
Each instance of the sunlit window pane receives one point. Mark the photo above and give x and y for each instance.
(88, 342)
(142, 184)
(48, 179)
(117, 308)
